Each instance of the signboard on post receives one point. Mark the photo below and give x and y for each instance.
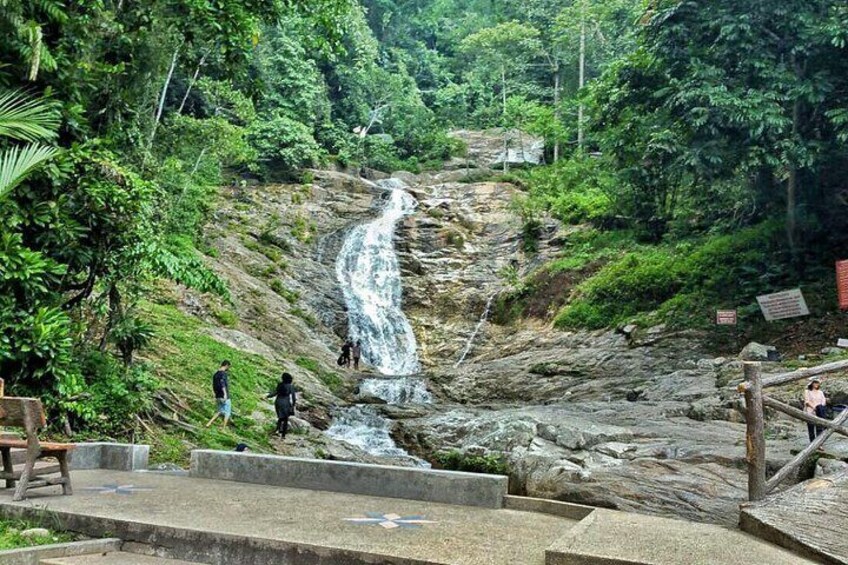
(842, 283)
(725, 317)
(782, 305)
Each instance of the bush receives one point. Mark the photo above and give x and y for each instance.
(575, 190)
(679, 281)
(226, 318)
(491, 463)
(114, 393)
(284, 144)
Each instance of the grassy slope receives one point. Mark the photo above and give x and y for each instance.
(604, 279)
(185, 358)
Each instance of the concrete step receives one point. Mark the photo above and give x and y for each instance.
(607, 536)
(114, 558)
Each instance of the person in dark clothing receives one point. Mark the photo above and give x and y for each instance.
(356, 350)
(221, 389)
(286, 400)
(346, 347)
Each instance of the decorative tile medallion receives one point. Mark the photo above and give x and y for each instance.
(390, 521)
(117, 489)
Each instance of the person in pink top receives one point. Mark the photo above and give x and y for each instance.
(814, 403)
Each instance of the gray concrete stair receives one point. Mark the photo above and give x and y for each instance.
(114, 558)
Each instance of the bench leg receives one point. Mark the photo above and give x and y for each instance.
(20, 492)
(66, 474)
(7, 465)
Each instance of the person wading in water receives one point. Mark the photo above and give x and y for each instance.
(286, 399)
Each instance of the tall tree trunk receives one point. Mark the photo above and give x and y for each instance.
(505, 129)
(115, 313)
(792, 196)
(191, 83)
(792, 182)
(162, 96)
(581, 81)
(557, 114)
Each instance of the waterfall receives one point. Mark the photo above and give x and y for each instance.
(367, 269)
(477, 329)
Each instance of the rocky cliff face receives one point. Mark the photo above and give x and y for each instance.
(646, 422)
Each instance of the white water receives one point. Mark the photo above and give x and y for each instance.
(368, 271)
(363, 427)
(477, 329)
(403, 390)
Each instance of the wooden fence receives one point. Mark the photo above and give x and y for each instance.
(755, 439)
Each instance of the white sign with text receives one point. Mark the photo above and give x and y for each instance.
(782, 305)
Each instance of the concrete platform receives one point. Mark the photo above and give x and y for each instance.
(608, 537)
(810, 518)
(228, 523)
(116, 558)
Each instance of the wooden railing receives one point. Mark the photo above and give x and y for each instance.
(756, 400)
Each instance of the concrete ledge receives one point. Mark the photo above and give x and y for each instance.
(34, 555)
(545, 506)
(449, 487)
(213, 548)
(112, 456)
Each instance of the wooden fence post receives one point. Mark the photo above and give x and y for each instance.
(755, 438)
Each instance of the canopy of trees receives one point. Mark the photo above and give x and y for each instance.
(119, 119)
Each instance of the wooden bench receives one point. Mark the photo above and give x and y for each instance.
(27, 413)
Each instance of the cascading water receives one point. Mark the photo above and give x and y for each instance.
(363, 427)
(477, 329)
(368, 271)
(402, 390)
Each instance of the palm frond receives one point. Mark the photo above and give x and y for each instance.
(16, 163)
(26, 119)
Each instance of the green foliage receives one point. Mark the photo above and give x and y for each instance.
(11, 538)
(226, 318)
(575, 190)
(290, 296)
(285, 145)
(114, 394)
(492, 464)
(682, 281)
(529, 211)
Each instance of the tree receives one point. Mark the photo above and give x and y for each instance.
(501, 52)
(27, 120)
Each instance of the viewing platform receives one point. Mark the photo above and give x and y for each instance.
(225, 521)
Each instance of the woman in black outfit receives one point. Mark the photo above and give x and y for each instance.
(284, 404)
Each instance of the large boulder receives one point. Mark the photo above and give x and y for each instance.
(757, 352)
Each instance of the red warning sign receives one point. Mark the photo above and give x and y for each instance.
(842, 283)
